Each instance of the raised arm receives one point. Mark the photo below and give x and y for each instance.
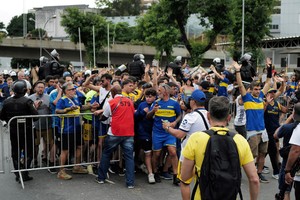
(239, 78)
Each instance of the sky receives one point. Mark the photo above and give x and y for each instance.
(11, 8)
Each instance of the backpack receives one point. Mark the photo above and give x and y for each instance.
(220, 171)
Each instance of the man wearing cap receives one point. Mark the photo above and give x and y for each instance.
(192, 122)
(294, 154)
(271, 117)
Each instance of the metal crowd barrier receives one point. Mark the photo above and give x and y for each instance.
(2, 158)
(30, 153)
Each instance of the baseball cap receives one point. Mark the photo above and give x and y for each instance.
(88, 72)
(198, 95)
(272, 90)
(297, 112)
(205, 85)
(66, 74)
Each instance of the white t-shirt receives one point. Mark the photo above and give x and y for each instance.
(240, 118)
(103, 93)
(295, 139)
(191, 123)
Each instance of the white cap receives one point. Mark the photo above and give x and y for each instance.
(217, 60)
(5, 71)
(178, 58)
(87, 72)
(54, 53)
(13, 73)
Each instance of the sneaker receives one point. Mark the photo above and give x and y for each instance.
(90, 169)
(265, 170)
(52, 171)
(121, 172)
(130, 186)
(143, 168)
(111, 170)
(275, 176)
(79, 170)
(157, 178)
(166, 176)
(262, 179)
(103, 181)
(63, 175)
(151, 179)
(99, 181)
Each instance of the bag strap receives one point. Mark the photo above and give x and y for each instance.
(203, 118)
(103, 101)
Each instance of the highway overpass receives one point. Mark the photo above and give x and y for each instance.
(119, 53)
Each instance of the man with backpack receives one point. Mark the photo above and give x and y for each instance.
(217, 156)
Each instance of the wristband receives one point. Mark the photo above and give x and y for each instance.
(237, 71)
(287, 171)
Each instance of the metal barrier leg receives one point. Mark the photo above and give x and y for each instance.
(21, 180)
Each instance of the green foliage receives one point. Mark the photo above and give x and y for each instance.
(36, 33)
(122, 32)
(73, 19)
(23, 63)
(15, 26)
(119, 7)
(2, 25)
(257, 18)
(156, 30)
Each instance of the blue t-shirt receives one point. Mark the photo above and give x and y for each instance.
(286, 131)
(68, 125)
(254, 108)
(5, 91)
(168, 110)
(144, 125)
(272, 117)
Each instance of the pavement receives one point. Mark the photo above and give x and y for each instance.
(46, 186)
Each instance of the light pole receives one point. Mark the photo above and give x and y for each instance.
(40, 35)
(243, 26)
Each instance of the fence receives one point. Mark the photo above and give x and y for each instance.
(28, 152)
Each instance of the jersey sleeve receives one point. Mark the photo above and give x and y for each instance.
(187, 121)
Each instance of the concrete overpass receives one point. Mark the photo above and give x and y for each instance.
(119, 53)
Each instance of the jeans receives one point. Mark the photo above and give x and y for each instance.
(110, 144)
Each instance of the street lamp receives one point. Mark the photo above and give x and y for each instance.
(40, 35)
(243, 27)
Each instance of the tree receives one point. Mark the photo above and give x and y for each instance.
(257, 18)
(73, 19)
(122, 32)
(158, 31)
(15, 26)
(2, 26)
(119, 7)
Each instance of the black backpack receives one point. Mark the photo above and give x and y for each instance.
(220, 171)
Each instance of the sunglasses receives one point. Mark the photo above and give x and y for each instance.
(73, 89)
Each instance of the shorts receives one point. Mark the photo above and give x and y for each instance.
(103, 130)
(46, 134)
(145, 144)
(70, 140)
(159, 141)
(257, 145)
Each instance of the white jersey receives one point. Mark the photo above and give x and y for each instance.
(295, 140)
(240, 117)
(191, 123)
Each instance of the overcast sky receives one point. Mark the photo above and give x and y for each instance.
(11, 8)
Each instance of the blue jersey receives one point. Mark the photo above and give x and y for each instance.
(272, 117)
(254, 108)
(68, 125)
(168, 110)
(222, 89)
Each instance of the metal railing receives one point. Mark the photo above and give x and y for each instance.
(27, 132)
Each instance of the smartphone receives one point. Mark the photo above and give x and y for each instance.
(154, 63)
(95, 71)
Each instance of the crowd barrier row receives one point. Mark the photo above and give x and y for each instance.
(31, 128)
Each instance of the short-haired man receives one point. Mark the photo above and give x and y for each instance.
(164, 109)
(195, 148)
(254, 106)
(120, 132)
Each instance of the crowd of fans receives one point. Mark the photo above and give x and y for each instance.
(167, 106)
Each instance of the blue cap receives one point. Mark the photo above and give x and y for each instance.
(198, 95)
(66, 74)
